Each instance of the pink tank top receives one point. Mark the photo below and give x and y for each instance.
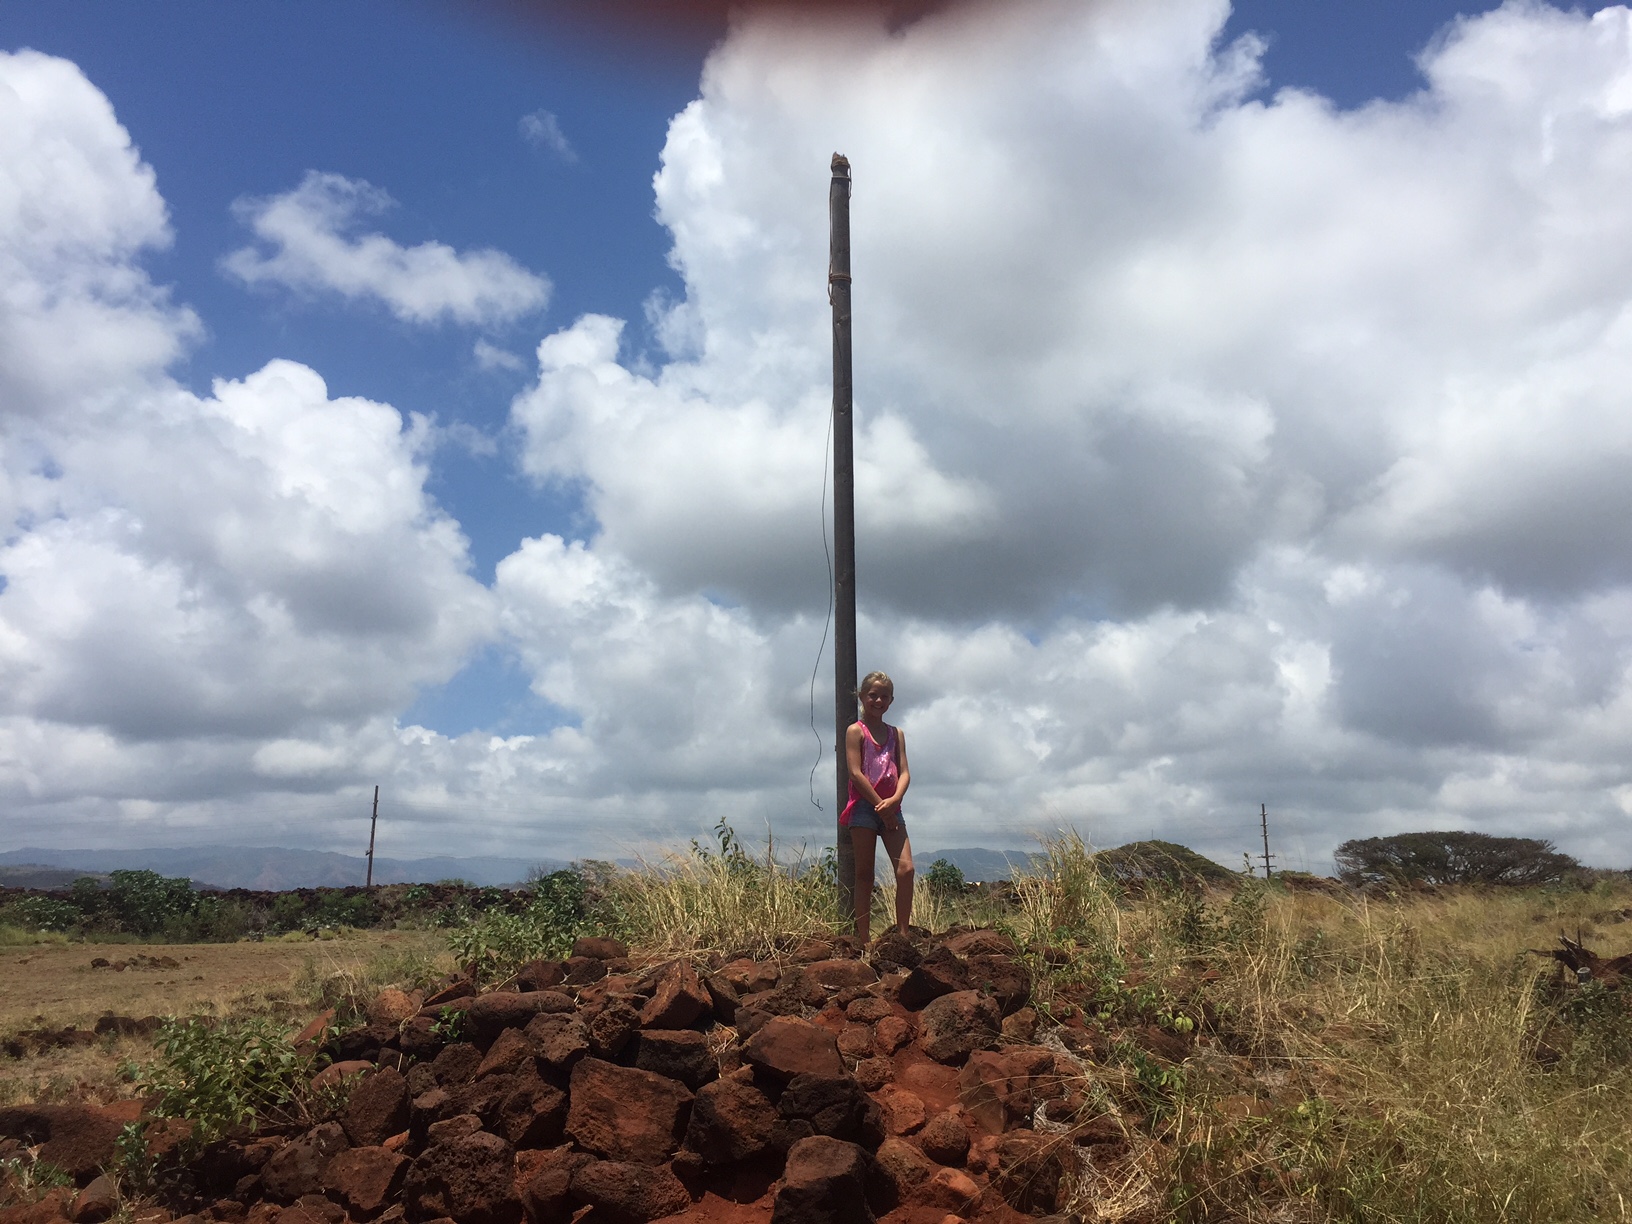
(878, 763)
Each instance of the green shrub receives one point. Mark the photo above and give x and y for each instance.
(144, 902)
(945, 880)
(41, 914)
(218, 1076)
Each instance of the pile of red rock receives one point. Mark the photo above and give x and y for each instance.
(817, 1087)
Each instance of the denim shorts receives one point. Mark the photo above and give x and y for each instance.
(863, 817)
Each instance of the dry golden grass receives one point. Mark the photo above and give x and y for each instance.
(1393, 1055)
(53, 985)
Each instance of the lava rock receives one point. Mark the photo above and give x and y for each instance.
(825, 1182)
(785, 1047)
(299, 1166)
(626, 1114)
(365, 1180)
(469, 1179)
(681, 1054)
(730, 1122)
(377, 1108)
(624, 1193)
(954, 1025)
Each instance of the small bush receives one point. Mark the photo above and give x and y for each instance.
(218, 1076)
(945, 880)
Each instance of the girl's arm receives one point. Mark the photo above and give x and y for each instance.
(903, 773)
(852, 758)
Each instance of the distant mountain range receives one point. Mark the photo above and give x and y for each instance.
(267, 868)
(272, 869)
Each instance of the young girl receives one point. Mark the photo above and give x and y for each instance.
(877, 756)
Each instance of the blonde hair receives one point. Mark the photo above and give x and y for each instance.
(874, 678)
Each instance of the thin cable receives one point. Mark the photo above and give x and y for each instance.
(827, 451)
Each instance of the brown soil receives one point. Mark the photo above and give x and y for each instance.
(54, 983)
(54, 986)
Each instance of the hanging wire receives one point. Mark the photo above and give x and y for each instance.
(827, 451)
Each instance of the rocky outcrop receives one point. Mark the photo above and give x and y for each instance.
(825, 1086)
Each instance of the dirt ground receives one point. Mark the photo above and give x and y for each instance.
(55, 985)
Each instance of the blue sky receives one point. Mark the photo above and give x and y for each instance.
(538, 140)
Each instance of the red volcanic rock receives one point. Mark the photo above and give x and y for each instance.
(600, 947)
(682, 1054)
(51, 1209)
(391, 1006)
(893, 948)
(470, 1179)
(840, 974)
(490, 1014)
(1002, 977)
(981, 943)
(812, 950)
(377, 1108)
(824, 1183)
(624, 1113)
(945, 1139)
(418, 1038)
(955, 1024)
(679, 1000)
(582, 970)
(510, 1051)
(951, 1189)
(625, 1193)
(873, 1073)
(785, 1047)
(78, 1139)
(365, 1179)
(903, 1168)
(730, 1121)
(856, 1041)
(541, 975)
(869, 1009)
(611, 1028)
(1029, 1170)
(891, 1033)
(298, 1167)
(749, 976)
(559, 1041)
(940, 972)
(533, 1113)
(456, 1064)
(1021, 1026)
(335, 1073)
(545, 1195)
(994, 1091)
(903, 1110)
(96, 1202)
(833, 1105)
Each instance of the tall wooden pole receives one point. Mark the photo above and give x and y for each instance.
(373, 821)
(844, 509)
(1263, 818)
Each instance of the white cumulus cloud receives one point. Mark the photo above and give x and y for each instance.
(310, 244)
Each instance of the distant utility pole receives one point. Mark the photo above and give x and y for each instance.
(1263, 821)
(374, 820)
(844, 510)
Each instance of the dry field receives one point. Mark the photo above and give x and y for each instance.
(55, 986)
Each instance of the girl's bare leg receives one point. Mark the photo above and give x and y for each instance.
(899, 847)
(864, 842)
